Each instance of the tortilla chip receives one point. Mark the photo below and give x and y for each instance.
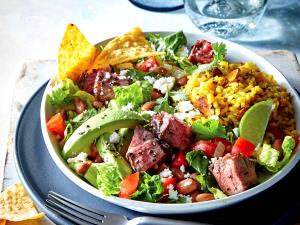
(132, 45)
(2, 222)
(15, 204)
(25, 222)
(75, 55)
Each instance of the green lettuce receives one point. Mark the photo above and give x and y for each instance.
(169, 44)
(137, 93)
(198, 161)
(108, 178)
(137, 75)
(268, 156)
(163, 104)
(209, 129)
(64, 92)
(150, 188)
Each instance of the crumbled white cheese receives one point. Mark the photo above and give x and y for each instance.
(182, 51)
(214, 117)
(122, 77)
(81, 157)
(182, 168)
(114, 138)
(164, 84)
(127, 107)
(151, 80)
(190, 114)
(188, 199)
(184, 106)
(123, 72)
(151, 113)
(107, 75)
(173, 194)
(214, 159)
(166, 173)
(187, 175)
(236, 131)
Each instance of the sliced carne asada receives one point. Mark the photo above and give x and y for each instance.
(171, 130)
(100, 82)
(144, 150)
(234, 173)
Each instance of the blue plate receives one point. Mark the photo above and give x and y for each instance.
(39, 174)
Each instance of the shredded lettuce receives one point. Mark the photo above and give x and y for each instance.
(64, 91)
(169, 44)
(108, 178)
(136, 94)
(207, 184)
(209, 129)
(198, 161)
(163, 104)
(218, 194)
(268, 156)
(150, 188)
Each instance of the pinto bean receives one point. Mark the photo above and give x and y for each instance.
(204, 197)
(83, 167)
(80, 106)
(186, 186)
(159, 70)
(156, 94)
(182, 81)
(177, 173)
(148, 106)
(194, 195)
(97, 104)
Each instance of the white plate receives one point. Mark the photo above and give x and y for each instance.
(236, 53)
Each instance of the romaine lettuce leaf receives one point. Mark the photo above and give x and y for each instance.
(268, 156)
(136, 94)
(209, 129)
(198, 161)
(169, 44)
(163, 104)
(150, 188)
(108, 178)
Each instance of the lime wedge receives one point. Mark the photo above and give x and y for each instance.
(254, 122)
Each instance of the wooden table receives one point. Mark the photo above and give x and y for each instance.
(34, 74)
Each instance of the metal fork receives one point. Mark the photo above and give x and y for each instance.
(84, 215)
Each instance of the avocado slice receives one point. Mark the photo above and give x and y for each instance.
(91, 174)
(110, 154)
(109, 120)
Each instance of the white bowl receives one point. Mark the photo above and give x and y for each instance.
(236, 53)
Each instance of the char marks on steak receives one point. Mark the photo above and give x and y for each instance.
(234, 173)
(144, 150)
(171, 130)
(100, 82)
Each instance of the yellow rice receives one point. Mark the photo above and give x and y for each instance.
(229, 98)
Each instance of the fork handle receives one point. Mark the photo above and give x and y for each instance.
(148, 220)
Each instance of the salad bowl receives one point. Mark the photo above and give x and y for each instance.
(235, 53)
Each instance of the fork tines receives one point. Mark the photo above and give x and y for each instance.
(73, 211)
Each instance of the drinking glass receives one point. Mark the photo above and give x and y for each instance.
(225, 18)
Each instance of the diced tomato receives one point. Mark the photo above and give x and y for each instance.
(56, 125)
(148, 63)
(129, 185)
(167, 181)
(179, 160)
(207, 147)
(243, 146)
(225, 142)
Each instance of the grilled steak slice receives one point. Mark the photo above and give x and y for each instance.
(234, 173)
(171, 130)
(144, 150)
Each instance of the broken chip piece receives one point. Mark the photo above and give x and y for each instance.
(15, 205)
